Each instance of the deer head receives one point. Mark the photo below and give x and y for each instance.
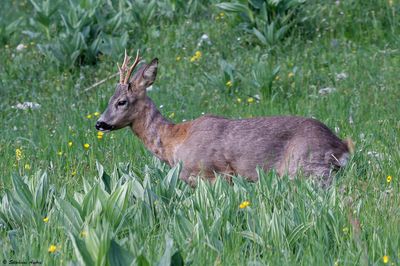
(128, 100)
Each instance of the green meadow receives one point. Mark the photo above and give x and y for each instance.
(69, 196)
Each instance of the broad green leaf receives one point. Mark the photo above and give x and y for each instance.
(80, 251)
(119, 256)
(166, 258)
(253, 237)
(22, 191)
(71, 214)
(41, 191)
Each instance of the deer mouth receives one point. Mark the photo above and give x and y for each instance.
(104, 127)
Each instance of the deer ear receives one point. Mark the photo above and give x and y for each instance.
(148, 75)
(150, 72)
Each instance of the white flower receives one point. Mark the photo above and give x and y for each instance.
(26, 105)
(204, 38)
(326, 90)
(341, 76)
(21, 47)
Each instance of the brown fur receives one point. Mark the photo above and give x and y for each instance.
(212, 144)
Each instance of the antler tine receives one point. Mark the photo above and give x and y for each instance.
(122, 69)
(129, 73)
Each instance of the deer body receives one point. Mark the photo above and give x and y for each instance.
(212, 144)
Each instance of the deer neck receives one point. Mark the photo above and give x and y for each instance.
(156, 132)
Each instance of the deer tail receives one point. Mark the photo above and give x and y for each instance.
(350, 145)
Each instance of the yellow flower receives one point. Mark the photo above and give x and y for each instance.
(385, 259)
(27, 166)
(239, 100)
(277, 77)
(389, 179)
(178, 58)
(73, 173)
(291, 75)
(86, 146)
(83, 234)
(60, 153)
(229, 83)
(70, 144)
(89, 116)
(96, 114)
(172, 115)
(100, 135)
(18, 154)
(250, 100)
(52, 249)
(244, 204)
(197, 56)
(45, 219)
(222, 14)
(345, 230)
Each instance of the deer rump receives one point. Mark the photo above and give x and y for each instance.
(288, 144)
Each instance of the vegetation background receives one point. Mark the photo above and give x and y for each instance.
(72, 196)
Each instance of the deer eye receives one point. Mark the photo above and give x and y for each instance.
(121, 103)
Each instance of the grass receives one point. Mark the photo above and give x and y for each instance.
(115, 203)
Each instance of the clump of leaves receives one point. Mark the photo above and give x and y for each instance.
(268, 20)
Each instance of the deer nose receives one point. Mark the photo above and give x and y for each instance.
(102, 126)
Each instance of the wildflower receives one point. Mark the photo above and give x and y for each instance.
(172, 115)
(21, 47)
(250, 100)
(86, 146)
(277, 78)
(385, 259)
(73, 173)
(222, 15)
(70, 144)
(52, 249)
(18, 154)
(327, 90)
(178, 58)
(239, 100)
(27, 166)
(345, 230)
(100, 135)
(341, 76)
(196, 57)
(83, 234)
(60, 153)
(97, 114)
(45, 219)
(290, 75)
(229, 83)
(389, 179)
(244, 204)
(89, 116)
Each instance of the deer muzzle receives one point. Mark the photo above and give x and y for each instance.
(103, 126)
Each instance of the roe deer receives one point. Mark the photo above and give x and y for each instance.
(212, 144)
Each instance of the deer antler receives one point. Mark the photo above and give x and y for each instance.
(124, 72)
